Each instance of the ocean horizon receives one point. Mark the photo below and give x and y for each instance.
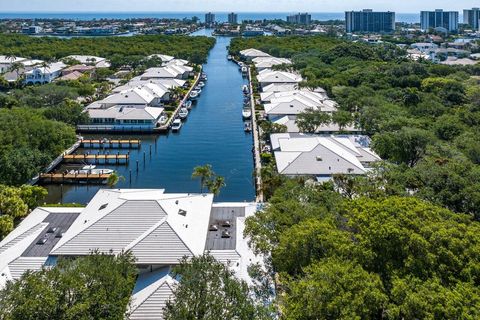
(220, 16)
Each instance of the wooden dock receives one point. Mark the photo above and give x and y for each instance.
(73, 178)
(111, 144)
(167, 125)
(256, 143)
(97, 158)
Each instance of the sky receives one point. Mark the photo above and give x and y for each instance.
(403, 6)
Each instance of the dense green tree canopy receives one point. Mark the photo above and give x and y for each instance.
(92, 287)
(368, 258)
(417, 112)
(209, 290)
(118, 49)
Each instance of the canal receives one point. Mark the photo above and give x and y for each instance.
(212, 134)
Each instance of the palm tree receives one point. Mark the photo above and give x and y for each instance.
(113, 179)
(215, 185)
(204, 173)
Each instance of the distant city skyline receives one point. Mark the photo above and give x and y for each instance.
(407, 6)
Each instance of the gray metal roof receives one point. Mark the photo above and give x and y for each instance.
(16, 240)
(162, 246)
(61, 221)
(21, 265)
(217, 216)
(152, 307)
(116, 230)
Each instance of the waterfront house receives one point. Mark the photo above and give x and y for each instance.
(157, 227)
(6, 62)
(97, 62)
(162, 57)
(139, 96)
(294, 105)
(124, 118)
(318, 94)
(172, 71)
(289, 121)
(42, 75)
(262, 63)
(267, 77)
(154, 88)
(250, 54)
(322, 156)
(279, 87)
(165, 84)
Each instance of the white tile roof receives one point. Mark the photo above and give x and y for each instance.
(278, 87)
(8, 60)
(293, 105)
(150, 296)
(272, 76)
(163, 57)
(126, 113)
(268, 62)
(51, 68)
(253, 53)
(134, 219)
(317, 95)
(290, 122)
(322, 155)
(136, 95)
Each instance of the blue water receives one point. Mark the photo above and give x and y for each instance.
(213, 134)
(220, 16)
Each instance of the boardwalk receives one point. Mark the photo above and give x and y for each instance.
(114, 144)
(256, 143)
(166, 126)
(97, 158)
(73, 178)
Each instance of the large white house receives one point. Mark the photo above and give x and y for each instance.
(98, 62)
(262, 63)
(250, 54)
(42, 75)
(267, 77)
(322, 156)
(170, 71)
(157, 227)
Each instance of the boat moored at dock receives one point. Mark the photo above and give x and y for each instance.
(176, 125)
(246, 113)
(183, 113)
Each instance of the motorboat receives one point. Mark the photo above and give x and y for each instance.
(194, 94)
(229, 57)
(163, 120)
(245, 89)
(247, 127)
(176, 125)
(246, 113)
(244, 70)
(188, 104)
(241, 65)
(198, 89)
(201, 84)
(203, 77)
(91, 169)
(183, 113)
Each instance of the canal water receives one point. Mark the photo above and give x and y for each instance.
(212, 134)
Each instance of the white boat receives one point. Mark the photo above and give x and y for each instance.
(201, 84)
(183, 113)
(241, 65)
(176, 125)
(246, 113)
(198, 89)
(247, 127)
(188, 104)
(244, 70)
(229, 57)
(163, 120)
(90, 169)
(194, 94)
(245, 89)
